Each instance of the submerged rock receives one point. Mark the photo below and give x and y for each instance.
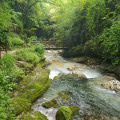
(51, 103)
(64, 96)
(64, 113)
(75, 110)
(56, 77)
(33, 86)
(81, 75)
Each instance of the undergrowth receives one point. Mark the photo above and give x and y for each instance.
(32, 55)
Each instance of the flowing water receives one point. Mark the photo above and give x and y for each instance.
(95, 102)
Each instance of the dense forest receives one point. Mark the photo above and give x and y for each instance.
(82, 23)
(90, 27)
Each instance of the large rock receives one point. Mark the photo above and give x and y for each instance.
(112, 85)
(86, 60)
(64, 113)
(33, 86)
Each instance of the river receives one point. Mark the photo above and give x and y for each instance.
(95, 102)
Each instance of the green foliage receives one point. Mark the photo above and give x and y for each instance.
(110, 42)
(14, 40)
(30, 88)
(28, 56)
(8, 75)
(39, 49)
(79, 22)
(5, 106)
(32, 55)
(5, 17)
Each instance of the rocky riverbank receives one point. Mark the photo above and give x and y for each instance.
(112, 84)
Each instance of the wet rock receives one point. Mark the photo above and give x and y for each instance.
(51, 103)
(75, 110)
(112, 85)
(33, 115)
(82, 76)
(86, 60)
(64, 113)
(73, 74)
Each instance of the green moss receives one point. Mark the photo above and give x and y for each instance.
(42, 58)
(82, 76)
(51, 103)
(64, 113)
(26, 67)
(56, 77)
(75, 110)
(44, 64)
(73, 74)
(34, 115)
(64, 95)
(33, 86)
(20, 105)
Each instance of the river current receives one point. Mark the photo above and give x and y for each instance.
(95, 102)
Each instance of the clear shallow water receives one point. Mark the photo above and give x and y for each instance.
(93, 100)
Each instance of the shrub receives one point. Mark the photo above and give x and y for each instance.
(8, 68)
(14, 40)
(32, 55)
(110, 42)
(39, 48)
(27, 55)
(8, 74)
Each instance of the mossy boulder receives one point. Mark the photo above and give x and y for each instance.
(81, 75)
(34, 115)
(33, 86)
(75, 110)
(64, 113)
(51, 103)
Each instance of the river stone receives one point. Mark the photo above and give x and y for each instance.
(51, 103)
(82, 76)
(64, 113)
(112, 85)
